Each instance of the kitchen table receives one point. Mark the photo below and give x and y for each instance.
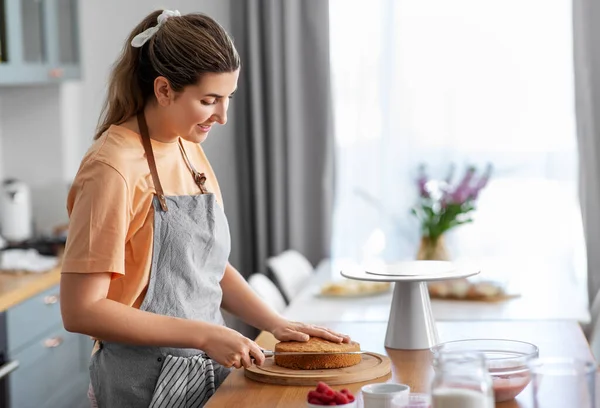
(554, 339)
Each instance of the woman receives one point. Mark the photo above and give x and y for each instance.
(145, 270)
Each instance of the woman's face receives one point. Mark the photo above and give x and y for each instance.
(195, 110)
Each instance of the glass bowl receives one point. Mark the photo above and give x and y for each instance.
(507, 362)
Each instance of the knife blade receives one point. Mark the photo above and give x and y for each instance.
(271, 353)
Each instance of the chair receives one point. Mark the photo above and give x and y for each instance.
(267, 290)
(592, 331)
(291, 271)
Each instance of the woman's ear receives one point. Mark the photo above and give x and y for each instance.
(163, 91)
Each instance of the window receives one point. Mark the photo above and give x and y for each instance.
(463, 82)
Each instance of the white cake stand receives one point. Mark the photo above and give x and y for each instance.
(411, 325)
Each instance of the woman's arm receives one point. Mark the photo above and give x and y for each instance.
(86, 310)
(240, 300)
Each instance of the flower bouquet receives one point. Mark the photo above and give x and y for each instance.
(443, 205)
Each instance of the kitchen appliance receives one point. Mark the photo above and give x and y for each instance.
(15, 211)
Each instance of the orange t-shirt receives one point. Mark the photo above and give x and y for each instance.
(110, 207)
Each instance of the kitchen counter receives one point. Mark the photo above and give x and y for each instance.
(17, 287)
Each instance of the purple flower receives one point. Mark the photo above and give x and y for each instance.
(469, 174)
(422, 182)
(463, 190)
(482, 182)
(461, 194)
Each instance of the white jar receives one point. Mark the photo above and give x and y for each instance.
(461, 381)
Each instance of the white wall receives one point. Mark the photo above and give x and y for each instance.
(45, 130)
(32, 151)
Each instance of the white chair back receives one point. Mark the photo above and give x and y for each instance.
(266, 289)
(292, 271)
(593, 329)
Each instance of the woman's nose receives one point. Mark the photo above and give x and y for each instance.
(220, 115)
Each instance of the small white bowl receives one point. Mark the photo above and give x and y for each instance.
(380, 395)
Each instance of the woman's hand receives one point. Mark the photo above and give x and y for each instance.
(295, 331)
(230, 349)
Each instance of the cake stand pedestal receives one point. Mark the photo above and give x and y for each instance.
(411, 325)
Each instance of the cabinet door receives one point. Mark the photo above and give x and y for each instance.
(10, 38)
(26, 53)
(41, 41)
(68, 32)
(3, 36)
(33, 28)
(47, 366)
(63, 37)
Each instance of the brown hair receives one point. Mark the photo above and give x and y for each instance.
(181, 50)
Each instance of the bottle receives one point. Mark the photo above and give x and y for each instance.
(461, 381)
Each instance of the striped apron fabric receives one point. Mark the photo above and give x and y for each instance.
(184, 382)
(191, 248)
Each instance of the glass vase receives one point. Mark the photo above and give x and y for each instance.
(433, 249)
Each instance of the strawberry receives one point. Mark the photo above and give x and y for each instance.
(341, 399)
(345, 391)
(350, 398)
(328, 396)
(321, 387)
(314, 395)
(332, 403)
(315, 401)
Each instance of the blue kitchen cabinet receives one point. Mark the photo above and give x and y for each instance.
(53, 363)
(39, 41)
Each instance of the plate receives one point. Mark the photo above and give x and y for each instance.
(413, 268)
(353, 289)
(409, 271)
(463, 289)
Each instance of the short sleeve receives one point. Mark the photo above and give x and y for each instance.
(99, 215)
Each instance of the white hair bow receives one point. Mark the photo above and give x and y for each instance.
(144, 36)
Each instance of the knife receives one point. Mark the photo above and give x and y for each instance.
(270, 353)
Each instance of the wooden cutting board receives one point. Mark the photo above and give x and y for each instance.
(372, 366)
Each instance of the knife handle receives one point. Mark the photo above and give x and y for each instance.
(267, 353)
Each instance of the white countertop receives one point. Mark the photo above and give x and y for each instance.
(544, 296)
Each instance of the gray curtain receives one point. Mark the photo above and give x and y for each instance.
(283, 128)
(586, 34)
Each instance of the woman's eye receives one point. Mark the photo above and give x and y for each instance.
(209, 102)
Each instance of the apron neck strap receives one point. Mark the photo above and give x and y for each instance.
(151, 162)
(199, 178)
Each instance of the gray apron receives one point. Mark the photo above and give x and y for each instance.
(191, 248)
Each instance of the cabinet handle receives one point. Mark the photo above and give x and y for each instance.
(8, 368)
(51, 299)
(53, 342)
(56, 73)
